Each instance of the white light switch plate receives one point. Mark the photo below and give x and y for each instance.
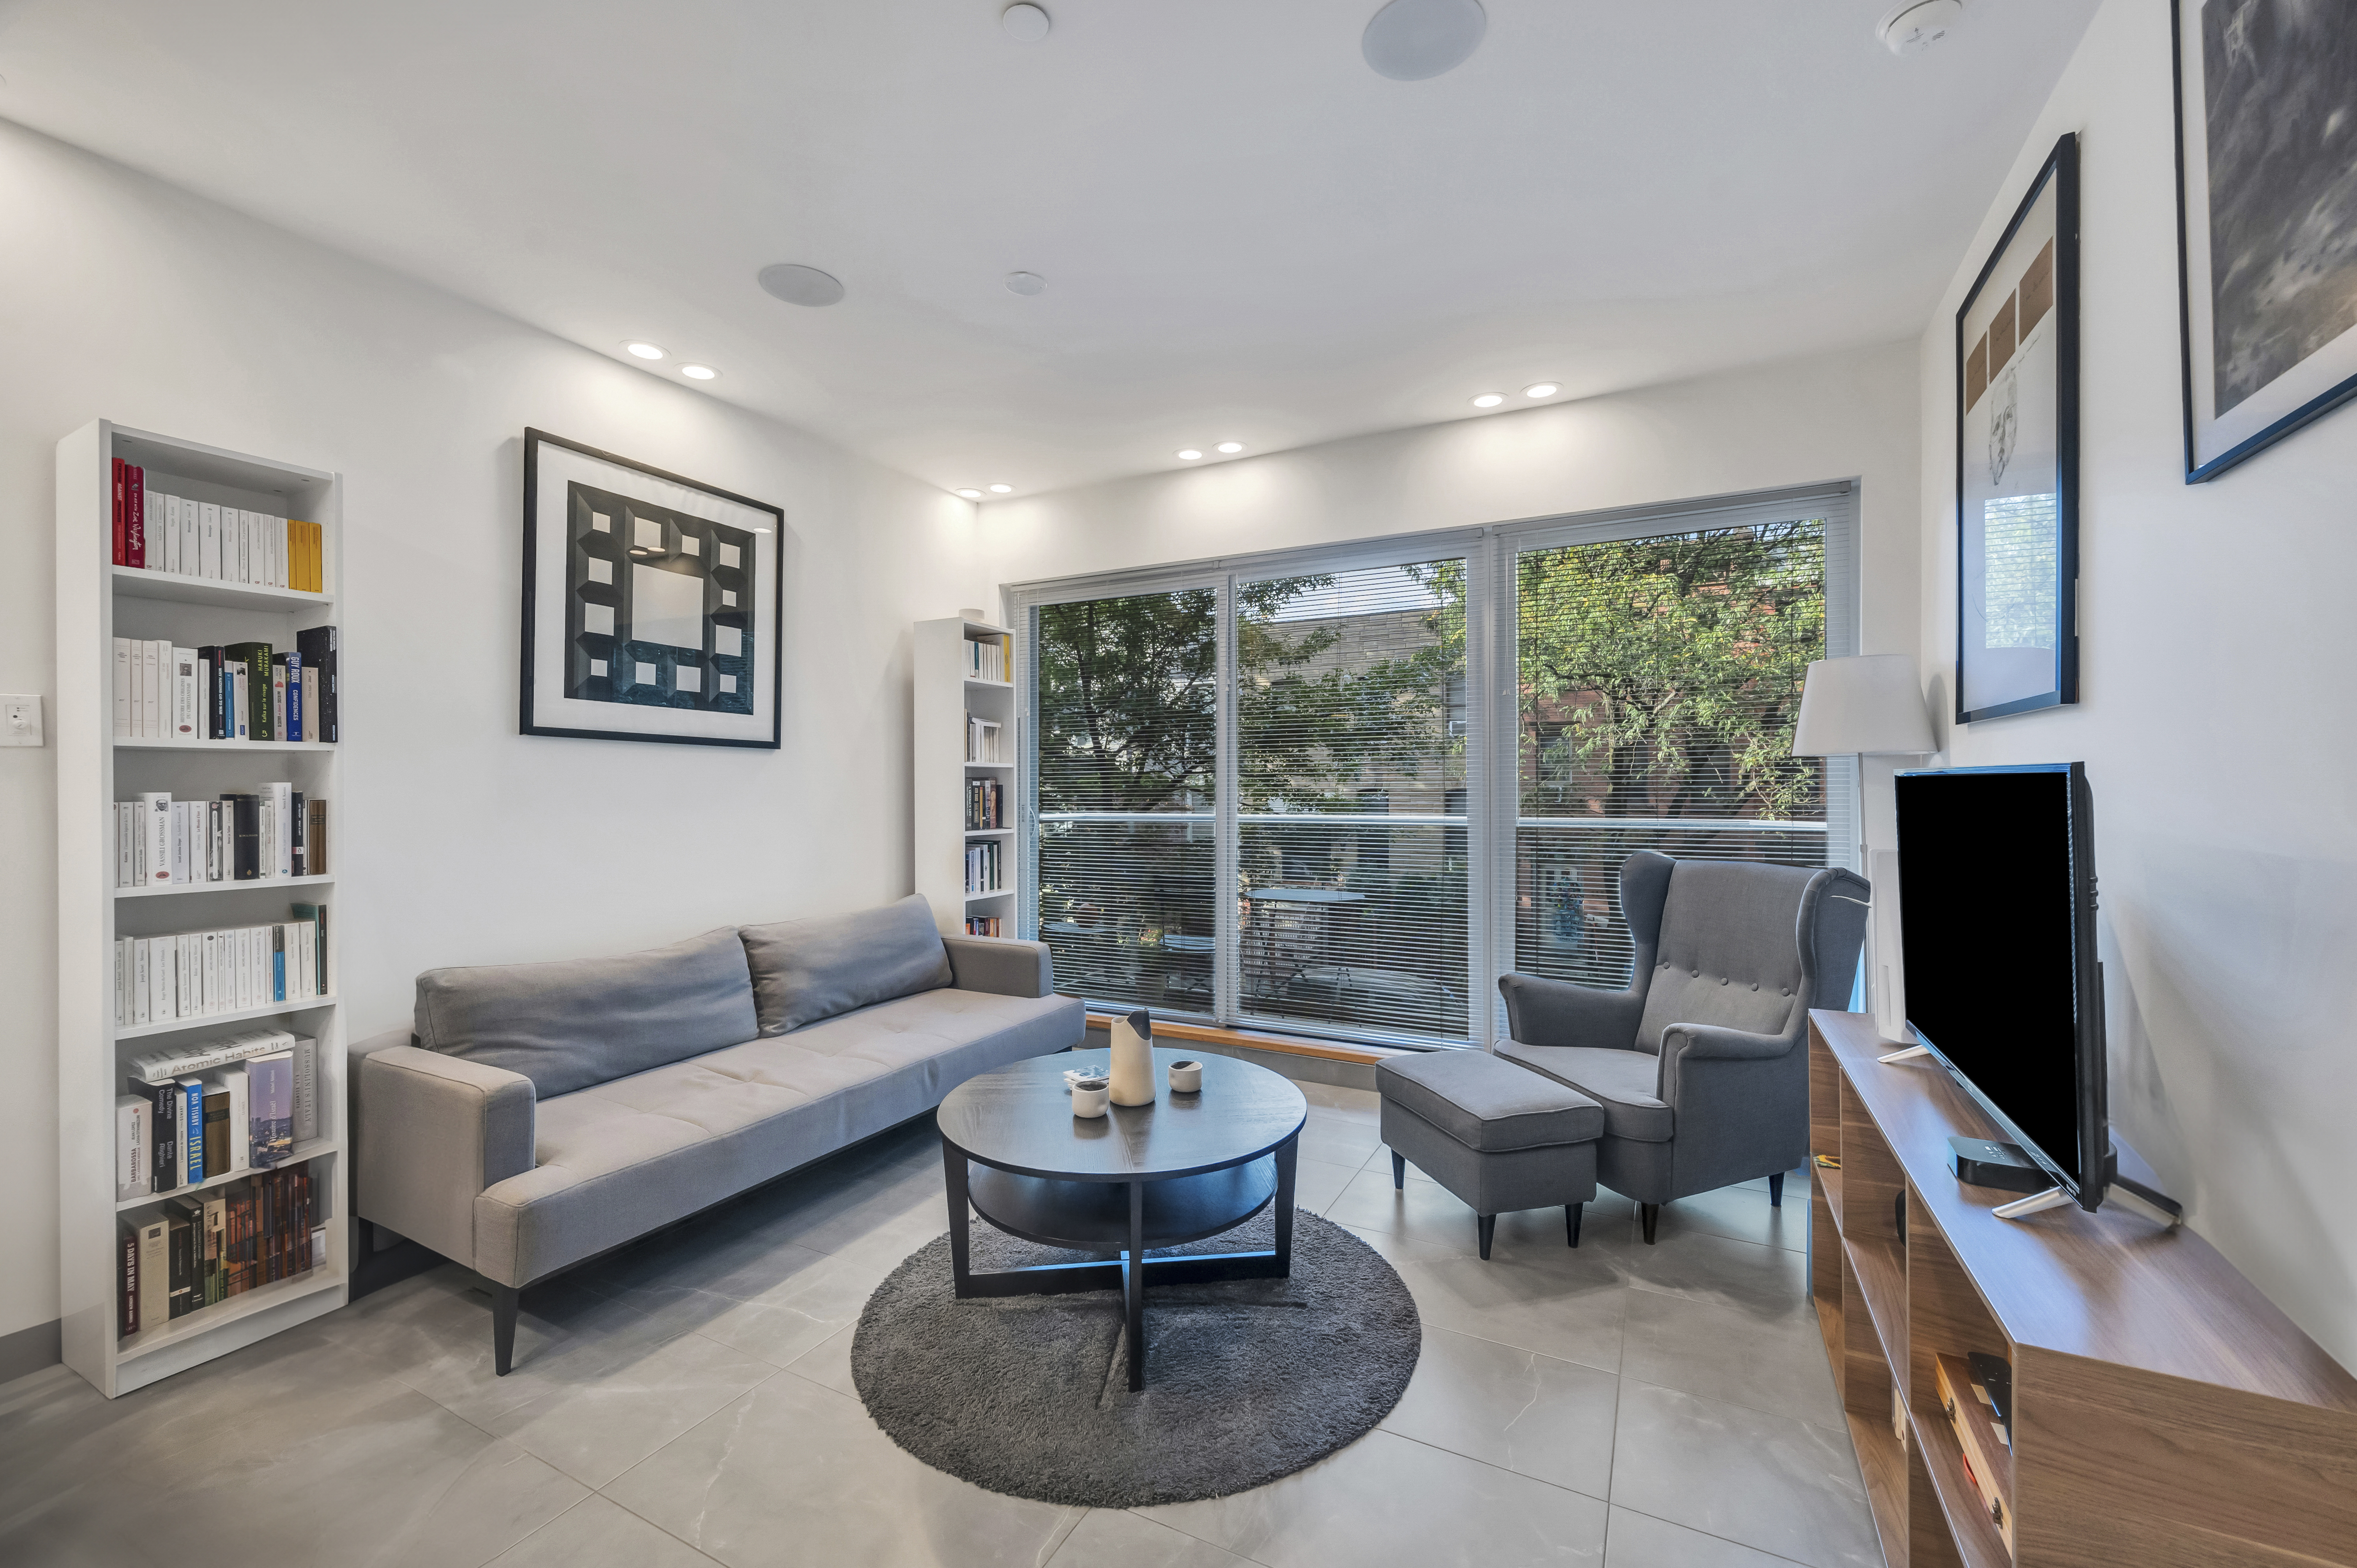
(20, 721)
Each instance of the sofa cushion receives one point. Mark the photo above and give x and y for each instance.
(805, 971)
(1488, 1104)
(1623, 1082)
(619, 1159)
(579, 1022)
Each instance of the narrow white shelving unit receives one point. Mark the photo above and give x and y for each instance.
(98, 602)
(947, 698)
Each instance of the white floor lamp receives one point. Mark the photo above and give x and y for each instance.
(1870, 705)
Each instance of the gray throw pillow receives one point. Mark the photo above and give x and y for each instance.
(807, 970)
(583, 1021)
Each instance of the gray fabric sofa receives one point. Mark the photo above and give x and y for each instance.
(538, 1114)
(1701, 1064)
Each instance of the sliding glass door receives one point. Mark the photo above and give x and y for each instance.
(1340, 792)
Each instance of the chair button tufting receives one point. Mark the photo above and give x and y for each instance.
(1783, 990)
(1755, 985)
(1695, 972)
(1722, 980)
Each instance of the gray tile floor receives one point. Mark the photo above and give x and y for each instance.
(689, 1401)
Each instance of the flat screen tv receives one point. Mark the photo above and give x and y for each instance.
(1996, 912)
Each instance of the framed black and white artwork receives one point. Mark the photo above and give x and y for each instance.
(2018, 458)
(2266, 220)
(650, 602)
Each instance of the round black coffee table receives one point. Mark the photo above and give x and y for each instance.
(1138, 1177)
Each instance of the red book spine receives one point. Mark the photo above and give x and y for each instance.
(135, 514)
(122, 538)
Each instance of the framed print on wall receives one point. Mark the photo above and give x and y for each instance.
(2018, 458)
(2266, 220)
(650, 602)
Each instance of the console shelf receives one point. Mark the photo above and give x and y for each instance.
(2165, 1412)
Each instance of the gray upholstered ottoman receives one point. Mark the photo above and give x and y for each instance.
(1497, 1136)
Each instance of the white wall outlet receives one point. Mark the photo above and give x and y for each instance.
(20, 721)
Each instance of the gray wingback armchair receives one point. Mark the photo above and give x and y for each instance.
(1701, 1064)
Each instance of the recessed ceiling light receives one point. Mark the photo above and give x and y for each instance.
(1187, 454)
(1002, 490)
(644, 350)
(1026, 282)
(1409, 40)
(1489, 400)
(1025, 24)
(799, 284)
(1232, 447)
(971, 495)
(1541, 388)
(698, 372)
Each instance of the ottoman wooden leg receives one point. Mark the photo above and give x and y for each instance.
(1776, 1190)
(1571, 1221)
(1488, 1226)
(1651, 1213)
(1399, 1170)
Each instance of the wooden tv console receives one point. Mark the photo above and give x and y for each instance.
(2166, 1414)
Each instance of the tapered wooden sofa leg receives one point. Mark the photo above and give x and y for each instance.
(1776, 1190)
(1487, 1225)
(503, 1319)
(1651, 1214)
(1571, 1221)
(1399, 1170)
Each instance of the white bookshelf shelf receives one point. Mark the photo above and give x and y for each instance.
(271, 1010)
(97, 601)
(140, 583)
(221, 1314)
(308, 1150)
(168, 889)
(217, 747)
(947, 699)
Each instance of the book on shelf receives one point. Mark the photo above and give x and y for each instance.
(158, 532)
(242, 691)
(270, 1107)
(982, 926)
(192, 1131)
(132, 1177)
(982, 740)
(990, 658)
(264, 835)
(985, 803)
(983, 863)
(1987, 1465)
(194, 974)
(216, 1129)
(202, 1248)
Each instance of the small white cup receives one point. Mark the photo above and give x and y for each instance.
(1090, 1096)
(1187, 1078)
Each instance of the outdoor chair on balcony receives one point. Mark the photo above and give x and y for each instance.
(1701, 1064)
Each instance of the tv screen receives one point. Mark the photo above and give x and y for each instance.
(1996, 909)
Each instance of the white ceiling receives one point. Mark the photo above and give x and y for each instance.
(1246, 233)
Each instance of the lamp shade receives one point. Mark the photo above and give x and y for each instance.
(1868, 705)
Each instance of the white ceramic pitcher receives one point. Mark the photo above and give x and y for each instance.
(1133, 1058)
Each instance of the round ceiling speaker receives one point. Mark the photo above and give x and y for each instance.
(1409, 40)
(1916, 25)
(1024, 24)
(799, 284)
(1026, 282)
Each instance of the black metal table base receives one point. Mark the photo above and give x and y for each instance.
(1132, 1271)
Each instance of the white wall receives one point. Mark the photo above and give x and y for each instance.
(462, 841)
(1845, 416)
(2212, 718)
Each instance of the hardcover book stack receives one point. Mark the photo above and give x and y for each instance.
(204, 1113)
(204, 1248)
(159, 980)
(981, 867)
(160, 532)
(272, 832)
(982, 926)
(989, 659)
(239, 691)
(983, 800)
(982, 740)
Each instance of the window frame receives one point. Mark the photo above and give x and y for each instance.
(1492, 718)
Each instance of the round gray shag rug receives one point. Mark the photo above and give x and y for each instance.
(1245, 1382)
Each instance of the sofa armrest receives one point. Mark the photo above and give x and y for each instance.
(1541, 1012)
(1740, 1100)
(431, 1132)
(1001, 965)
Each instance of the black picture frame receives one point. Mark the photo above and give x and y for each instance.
(684, 554)
(2059, 177)
(2225, 450)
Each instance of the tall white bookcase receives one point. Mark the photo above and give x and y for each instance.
(96, 602)
(947, 697)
